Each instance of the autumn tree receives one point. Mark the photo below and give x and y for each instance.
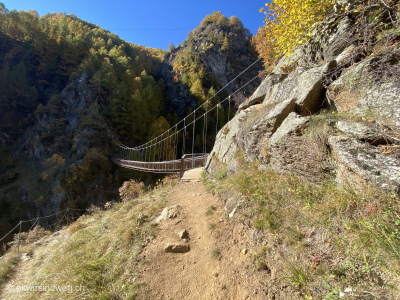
(197, 90)
(288, 24)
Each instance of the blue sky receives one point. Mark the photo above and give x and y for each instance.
(155, 24)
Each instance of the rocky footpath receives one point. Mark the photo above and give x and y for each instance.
(327, 110)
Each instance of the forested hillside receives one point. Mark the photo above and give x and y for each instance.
(68, 88)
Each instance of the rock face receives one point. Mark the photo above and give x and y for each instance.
(61, 139)
(362, 90)
(253, 136)
(361, 163)
(280, 126)
(226, 147)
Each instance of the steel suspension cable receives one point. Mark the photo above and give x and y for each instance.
(193, 139)
(240, 74)
(184, 136)
(202, 116)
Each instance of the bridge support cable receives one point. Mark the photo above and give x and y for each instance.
(240, 74)
(205, 141)
(162, 145)
(204, 126)
(176, 145)
(193, 138)
(229, 108)
(216, 124)
(184, 136)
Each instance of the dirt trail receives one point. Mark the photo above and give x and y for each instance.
(214, 268)
(200, 273)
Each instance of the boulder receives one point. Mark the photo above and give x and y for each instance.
(291, 126)
(362, 132)
(305, 86)
(359, 163)
(259, 95)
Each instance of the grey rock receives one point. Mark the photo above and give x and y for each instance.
(177, 248)
(168, 213)
(259, 95)
(303, 85)
(346, 56)
(359, 163)
(362, 90)
(292, 152)
(362, 132)
(255, 133)
(291, 126)
(231, 205)
(225, 147)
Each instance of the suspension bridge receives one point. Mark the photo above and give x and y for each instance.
(183, 146)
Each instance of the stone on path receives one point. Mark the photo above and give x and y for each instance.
(177, 248)
(168, 213)
(184, 234)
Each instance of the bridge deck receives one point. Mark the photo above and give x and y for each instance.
(187, 162)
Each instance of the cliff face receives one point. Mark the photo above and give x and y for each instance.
(332, 108)
(63, 160)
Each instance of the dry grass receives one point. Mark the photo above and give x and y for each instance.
(100, 252)
(7, 266)
(321, 240)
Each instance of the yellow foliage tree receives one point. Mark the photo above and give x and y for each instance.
(288, 24)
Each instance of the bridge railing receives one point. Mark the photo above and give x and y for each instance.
(187, 162)
(191, 161)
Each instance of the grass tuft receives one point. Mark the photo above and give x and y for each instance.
(210, 210)
(216, 253)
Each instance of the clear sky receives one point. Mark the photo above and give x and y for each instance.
(150, 23)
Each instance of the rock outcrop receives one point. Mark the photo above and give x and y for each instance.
(280, 126)
(217, 50)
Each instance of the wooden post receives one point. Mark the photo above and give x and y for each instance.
(182, 165)
(37, 227)
(19, 234)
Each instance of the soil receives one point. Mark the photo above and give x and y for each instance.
(219, 263)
